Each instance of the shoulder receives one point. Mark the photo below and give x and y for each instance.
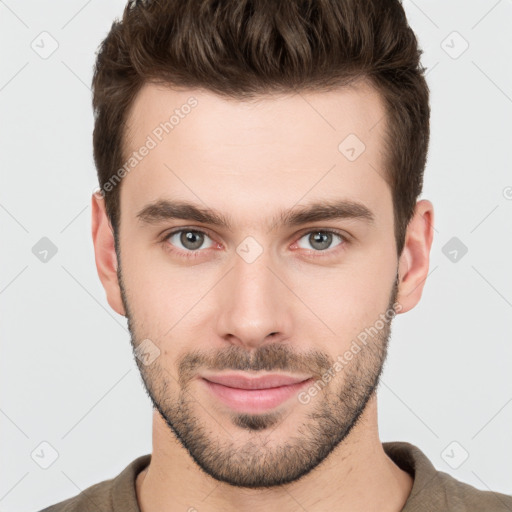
(112, 495)
(460, 496)
(436, 490)
(96, 497)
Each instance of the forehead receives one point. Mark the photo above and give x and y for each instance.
(250, 155)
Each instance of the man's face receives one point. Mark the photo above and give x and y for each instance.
(259, 296)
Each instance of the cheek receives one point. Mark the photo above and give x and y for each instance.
(164, 297)
(347, 298)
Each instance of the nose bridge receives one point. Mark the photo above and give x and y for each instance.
(252, 304)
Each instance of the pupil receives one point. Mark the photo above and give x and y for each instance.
(191, 239)
(323, 238)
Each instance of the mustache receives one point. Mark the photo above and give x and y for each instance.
(266, 357)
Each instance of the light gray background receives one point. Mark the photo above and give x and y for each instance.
(67, 373)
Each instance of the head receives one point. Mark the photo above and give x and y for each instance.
(259, 166)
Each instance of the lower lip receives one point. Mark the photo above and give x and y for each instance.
(254, 400)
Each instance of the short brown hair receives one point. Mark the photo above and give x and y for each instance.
(243, 49)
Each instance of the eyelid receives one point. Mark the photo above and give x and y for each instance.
(178, 229)
(321, 229)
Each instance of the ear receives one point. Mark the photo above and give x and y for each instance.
(105, 254)
(414, 260)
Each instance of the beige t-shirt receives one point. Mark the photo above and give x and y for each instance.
(432, 491)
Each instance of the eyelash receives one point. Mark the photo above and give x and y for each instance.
(197, 253)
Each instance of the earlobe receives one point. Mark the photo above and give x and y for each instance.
(105, 254)
(415, 258)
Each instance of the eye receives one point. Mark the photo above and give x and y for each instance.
(188, 239)
(320, 240)
(190, 243)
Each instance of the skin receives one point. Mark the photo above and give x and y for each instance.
(287, 309)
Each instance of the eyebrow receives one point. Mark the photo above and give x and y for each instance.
(164, 209)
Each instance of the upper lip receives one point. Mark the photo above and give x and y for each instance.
(267, 381)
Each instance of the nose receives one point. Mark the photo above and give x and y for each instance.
(254, 305)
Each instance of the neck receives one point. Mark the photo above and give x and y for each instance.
(356, 476)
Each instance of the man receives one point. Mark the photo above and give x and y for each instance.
(258, 225)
